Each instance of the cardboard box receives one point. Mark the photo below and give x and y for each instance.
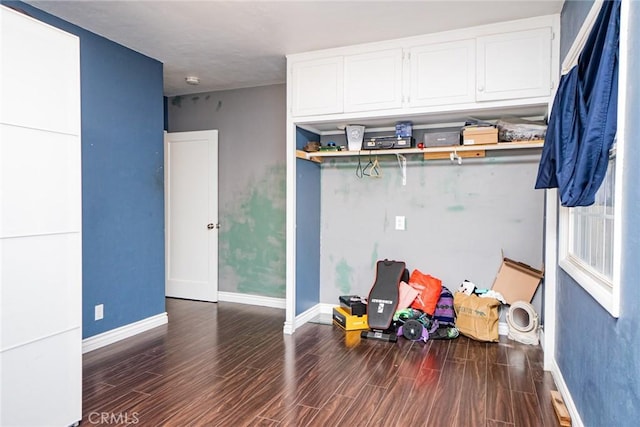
(479, 135)
(477, 317)
(517, 281)
(442, 137)
(347, 321)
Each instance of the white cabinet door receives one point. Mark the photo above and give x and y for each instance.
(40, 224)
(514, 65)
(317, 86)
(373, 81)
(53, 90)
(442, 73)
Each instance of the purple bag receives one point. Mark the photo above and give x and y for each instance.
(445, 314)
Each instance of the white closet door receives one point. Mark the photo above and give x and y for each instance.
(40, 224)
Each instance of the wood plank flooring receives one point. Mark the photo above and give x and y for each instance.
(229, 364)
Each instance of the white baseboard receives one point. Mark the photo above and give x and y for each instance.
(503, 328)
(576, 421)
(252, 299)
(304, 317)
(288, 328)
(327, 308)
(97, 341)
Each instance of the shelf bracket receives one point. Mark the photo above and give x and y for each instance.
(402, 163)
(455, 156)
(305, 156)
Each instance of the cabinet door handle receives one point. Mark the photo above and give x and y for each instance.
(480, 88)
(212, 226)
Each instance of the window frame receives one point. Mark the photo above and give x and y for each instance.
(607, 293)
(604, 290)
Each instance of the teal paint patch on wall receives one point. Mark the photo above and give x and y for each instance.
(343, 276)
(374, 255)
(455, 208)
(252, 240)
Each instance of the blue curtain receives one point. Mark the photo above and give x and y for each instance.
(583, 120)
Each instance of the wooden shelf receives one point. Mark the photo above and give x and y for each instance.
(429, 153)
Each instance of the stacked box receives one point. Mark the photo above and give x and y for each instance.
(479, 135)
(348, 322)
(353, 304)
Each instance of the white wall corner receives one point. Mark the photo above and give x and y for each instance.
(288, 328)
(576, 421)
(327, 308)
(252, 299)
(98, 341)
(550, 276)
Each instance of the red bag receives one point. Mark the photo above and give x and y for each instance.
(429, 288)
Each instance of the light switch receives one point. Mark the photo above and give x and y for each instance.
(400, 225)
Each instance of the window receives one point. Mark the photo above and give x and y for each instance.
(590, 238)
(587, 247)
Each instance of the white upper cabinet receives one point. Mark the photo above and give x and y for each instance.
(373, 80)
(497, 66)
(514, 65)
(317, 86)
(442, 73)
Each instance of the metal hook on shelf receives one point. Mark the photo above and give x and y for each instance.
(454, 155)
(372, 169)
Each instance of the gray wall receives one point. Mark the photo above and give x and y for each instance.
(598, 354)
(458, 219)
(251, 125)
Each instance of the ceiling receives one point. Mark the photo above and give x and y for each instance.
(235, 44)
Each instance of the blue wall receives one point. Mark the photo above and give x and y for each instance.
(573, 15)
(122, 180)
(598, 355)
(307, 227)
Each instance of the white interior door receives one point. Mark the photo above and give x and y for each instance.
(191, 232)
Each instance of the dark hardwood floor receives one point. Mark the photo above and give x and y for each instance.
(229, 364)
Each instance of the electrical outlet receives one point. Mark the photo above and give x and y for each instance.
(99, 312)
(400, 224)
